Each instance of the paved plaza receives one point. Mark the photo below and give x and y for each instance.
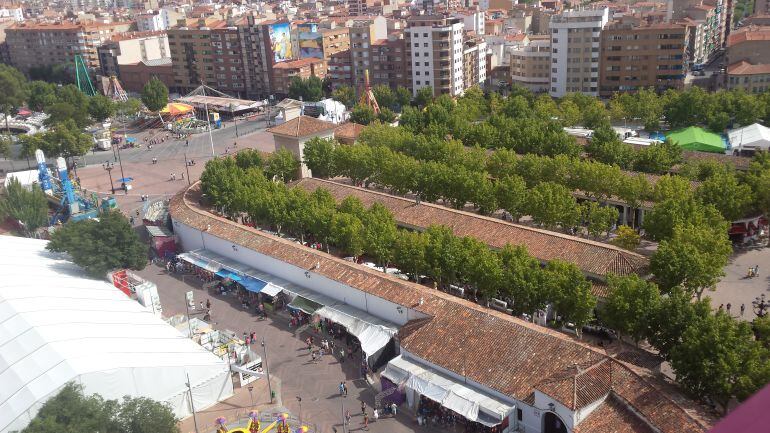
(291, 369)
(736, 288)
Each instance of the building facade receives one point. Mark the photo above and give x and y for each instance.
(389, 62)
(363, 34)
(530, 64)
(575, 51)
(153, 21)
(303, 68)
(434, 46)
(132, 48)
(32, 45)
(638, 55)
(748, 59)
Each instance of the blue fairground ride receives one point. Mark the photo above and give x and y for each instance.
(70, 204)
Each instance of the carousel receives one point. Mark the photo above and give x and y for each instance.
(280, 422)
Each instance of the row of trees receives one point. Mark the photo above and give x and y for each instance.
(510, 274)
(549, 203)
(714, 356)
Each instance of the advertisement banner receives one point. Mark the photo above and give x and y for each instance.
(280, 40)
(310, 41)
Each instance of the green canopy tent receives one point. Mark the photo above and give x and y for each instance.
(694, 138)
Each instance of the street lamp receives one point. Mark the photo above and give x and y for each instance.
(108, 166)
(267, 368)
(235, 119)
(251, 388)
(760, 306)
(299, 399)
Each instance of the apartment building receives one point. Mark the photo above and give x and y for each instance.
(708, 27)
(389, 62)
(132, 48)
(303, 68)
(636, 55)
(153, 21)
(474, 60)
(39, 44)
(363, 34)
(748, 59)
(575, 51)
(434, 46)
(340, 70)
(530, 63)
(209, 52)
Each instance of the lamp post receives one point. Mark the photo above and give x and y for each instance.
(235, 119)
(108, 166)
(267, 368)
(192, 405)
(251, 388)
(187, 167)
(760, 306)
(299, 399)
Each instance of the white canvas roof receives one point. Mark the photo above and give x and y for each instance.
(753, 136)
(57, 326)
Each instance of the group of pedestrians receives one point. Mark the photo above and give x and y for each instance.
(729, 306)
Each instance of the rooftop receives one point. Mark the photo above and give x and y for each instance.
(745, 68)
(750, 33)
(591, 257)
(300, 63)
(302, 126)
(493, 349)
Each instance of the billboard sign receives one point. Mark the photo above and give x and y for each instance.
(280, 40)
(310, 41)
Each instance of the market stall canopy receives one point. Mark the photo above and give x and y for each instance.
(752, 137)
(200, 262)
(372, 332)
(304, 304)
(695, 138)
(253, 284)
(224, 273)
(176, 109)
(253, 278)
(449, 392)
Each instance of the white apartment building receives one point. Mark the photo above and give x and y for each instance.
(472, 19)
(435, 49)
(12, 12)
(575, 51)
(153, 21)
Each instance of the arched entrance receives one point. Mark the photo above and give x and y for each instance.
(553, 424)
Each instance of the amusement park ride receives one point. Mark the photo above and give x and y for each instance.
(274, 424)
(70, 204)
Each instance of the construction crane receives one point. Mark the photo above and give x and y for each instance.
(83, 77)
(367, 96)
(115, 90)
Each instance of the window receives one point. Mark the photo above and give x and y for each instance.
(519, 412)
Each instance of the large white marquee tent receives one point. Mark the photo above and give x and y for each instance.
(752, 137)
(58, 326)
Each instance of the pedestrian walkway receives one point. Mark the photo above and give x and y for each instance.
(288, 361)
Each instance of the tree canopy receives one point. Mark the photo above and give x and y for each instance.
(306, 89)
(155, 95)
(29, 207)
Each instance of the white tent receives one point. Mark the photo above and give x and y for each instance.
(752, 137)
(58, 326)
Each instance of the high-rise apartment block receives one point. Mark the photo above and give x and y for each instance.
(575, 51)
(33, 44)
(637, 55)
(363, 34)
(434, 45)
(389, 62)
(131, 48)
(530, 63)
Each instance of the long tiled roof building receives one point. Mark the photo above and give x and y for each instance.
(535, 369)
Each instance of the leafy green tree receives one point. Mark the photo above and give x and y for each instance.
(282, 165)
(424, 96)
(511, 195)
(676, 313)
(319, 156)
(598, 219)
(693, 258)
(41, 95)
(70, 410)
(570, 113)
(444, 255)
(61, 112)
(308, 90)
(362, 114)
(631, 307)
(67, 140)
(101, 246)
(551, 205)
(5, 146)
(12, 90)
(347, 233)
(129, 107)
(521, 280)
(482, 270)
(384, 96)
(658, 157)
(648, 108)
(386, 115)
(718, 359)
(355, 162)
(379, 233)
(354, 206)
(731, 198)
(346, 95)
(627, 238)
(29, 207)
(101, 108)
(249, 158)
(155, 95)
(570, 292)
(659, 224)
(761, 327)
(606, 147)
(403, 96)
(409, 253)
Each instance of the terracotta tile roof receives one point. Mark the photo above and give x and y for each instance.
(750, 33)
(612, 416)
(302, 126)
(745, 68)
(578, 386)
(496, 350)
(591, 257)
(349, 131)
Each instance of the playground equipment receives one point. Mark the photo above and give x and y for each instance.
(115, 90)
(69, 202)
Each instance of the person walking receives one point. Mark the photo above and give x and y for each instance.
(363, 407)
(729, 305)
(393, 409)
(366, 420)
(208, 303)
(743, 308)
(342, 388)
(342, 356)
(345, 387)
(376, 415)
(347, 416)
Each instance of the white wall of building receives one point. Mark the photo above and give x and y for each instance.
(422, 57)
(16, 14)
(561, 27)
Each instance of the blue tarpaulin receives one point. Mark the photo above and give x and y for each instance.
(253, 284)
(224, 273)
